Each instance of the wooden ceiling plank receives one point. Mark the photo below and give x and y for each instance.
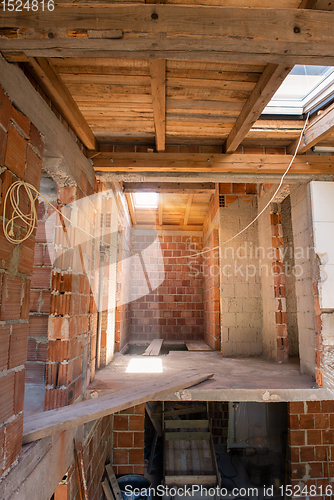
(48, 78)
(169, 187)
(308, 4)
(201, 162)
(269, 82)
(158, 87)
(315, 132)
(188, 207)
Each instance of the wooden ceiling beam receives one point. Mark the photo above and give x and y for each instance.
(268, 83)
(317, 130)
(279, 36)
(307, 4)
(201, 162)
(131, 209)
(169, 187)
(171, 227)
(161, 208)
(50, 81)
(158, 87)
(188, 207)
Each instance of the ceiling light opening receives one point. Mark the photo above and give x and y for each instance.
(146, 201)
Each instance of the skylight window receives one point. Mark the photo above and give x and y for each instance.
(146, 201)
(302, 90)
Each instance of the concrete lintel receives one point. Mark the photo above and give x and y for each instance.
(255, 395)
(57, 141)
(207, 177)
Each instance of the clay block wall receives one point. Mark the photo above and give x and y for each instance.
(241, 309)
(96, 454)
(306, 278)
(211, 314)
(73, 318)
(311, 438)
(40, 296)
(174, 310)
(128, 441)
(21, 153)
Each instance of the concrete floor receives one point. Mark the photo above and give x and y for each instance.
(235, 379)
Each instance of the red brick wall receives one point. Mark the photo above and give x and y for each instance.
(311, 443)
(96, 454)
(174, 310)
(211, 315)
(73, 320)
(282, 352)
(40, 297)
(128, 441)
(21, 152)
(218, 414)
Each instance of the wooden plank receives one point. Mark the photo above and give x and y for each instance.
(106, 489)
(161, 208)
(189, 436)
(188, 208)
(48, 78)
(169, 187)
(317, 130)
(197, 345)
(185, 411)
(190, 479)
(154, 348)
(222, 163)
(113, 482)
(155, 421)
(152, 453)
(186, 424)
(52, 421)
(308, 4)
(268, 83)
(158, 88)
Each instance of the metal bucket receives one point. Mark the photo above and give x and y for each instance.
(134, 487)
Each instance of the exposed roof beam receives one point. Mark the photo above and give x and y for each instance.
(279, 36)
(131, 209)
(188, 207)
(201, 162)
(316, 131)
(268, 83)
(48, 78)
(308, 4)
(161, 208)
(169, 187)
(158, 87)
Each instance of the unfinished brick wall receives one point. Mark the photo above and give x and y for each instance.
(73, 318)
(218, 413)
(211, 313)
(128, 441)
(174, 310)
(241, 308)
(21, 153)
(96, 454)
(40, 295)
(311, 438)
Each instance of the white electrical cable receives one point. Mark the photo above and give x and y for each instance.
(31, 219)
